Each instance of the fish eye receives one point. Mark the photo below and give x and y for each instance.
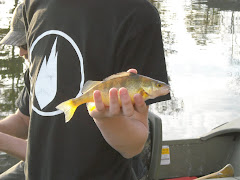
(159, 85)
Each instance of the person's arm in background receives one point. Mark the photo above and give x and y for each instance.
(14, 128)
(13, 134)
(15, 125)
(13, 146)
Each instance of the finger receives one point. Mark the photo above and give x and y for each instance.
(98, 101)
(140, 105)
(127, 105)
(132, 71)
(114, 107)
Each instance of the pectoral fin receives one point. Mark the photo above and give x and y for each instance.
(91, 106)
(144, 94)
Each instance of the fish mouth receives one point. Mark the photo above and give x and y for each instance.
(160, 92)
(166, 89)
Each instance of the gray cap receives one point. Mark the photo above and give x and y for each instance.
(17, 35)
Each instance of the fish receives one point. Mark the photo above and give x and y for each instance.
(135, 84)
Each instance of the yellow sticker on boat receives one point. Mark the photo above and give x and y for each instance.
(165, 157)
(165, 150)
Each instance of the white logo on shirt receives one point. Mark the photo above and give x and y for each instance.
(46, 83)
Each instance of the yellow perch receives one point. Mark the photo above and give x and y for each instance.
(135, 84)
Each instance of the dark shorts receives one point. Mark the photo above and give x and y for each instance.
(14, 173)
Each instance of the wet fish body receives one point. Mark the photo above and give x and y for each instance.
(149, 88)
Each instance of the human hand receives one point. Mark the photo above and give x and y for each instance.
(98, 110)
(125, 126)
(127, 109)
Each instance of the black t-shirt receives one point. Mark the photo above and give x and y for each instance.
(22, 101)
(71, 42)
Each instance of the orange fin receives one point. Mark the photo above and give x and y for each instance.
(143, 93)
(91, 106)
(68, 107)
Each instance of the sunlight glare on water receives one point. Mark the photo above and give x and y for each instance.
(204, 82)
(5, 16)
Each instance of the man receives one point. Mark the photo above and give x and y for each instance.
(69, 43)
(13, 131)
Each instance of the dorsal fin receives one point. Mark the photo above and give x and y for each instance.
(118, 75)
(89, 84)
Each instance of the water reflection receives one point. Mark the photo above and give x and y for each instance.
(202, 53)
(11, 74)
(223, 5)
(201, 41)
(11, 65)
(169, 37)
(201, 21)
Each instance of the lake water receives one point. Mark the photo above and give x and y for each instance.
(202, 48)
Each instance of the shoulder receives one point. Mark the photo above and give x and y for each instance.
(146, 11)
(140, 10)
(137, 15)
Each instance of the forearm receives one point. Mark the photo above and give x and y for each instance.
(126, 136)
(13, 146)
(15, 125)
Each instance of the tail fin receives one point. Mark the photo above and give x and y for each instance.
(68, 107)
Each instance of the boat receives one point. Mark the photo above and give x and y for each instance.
(6, 161)
(208, 155)
(211, 154)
